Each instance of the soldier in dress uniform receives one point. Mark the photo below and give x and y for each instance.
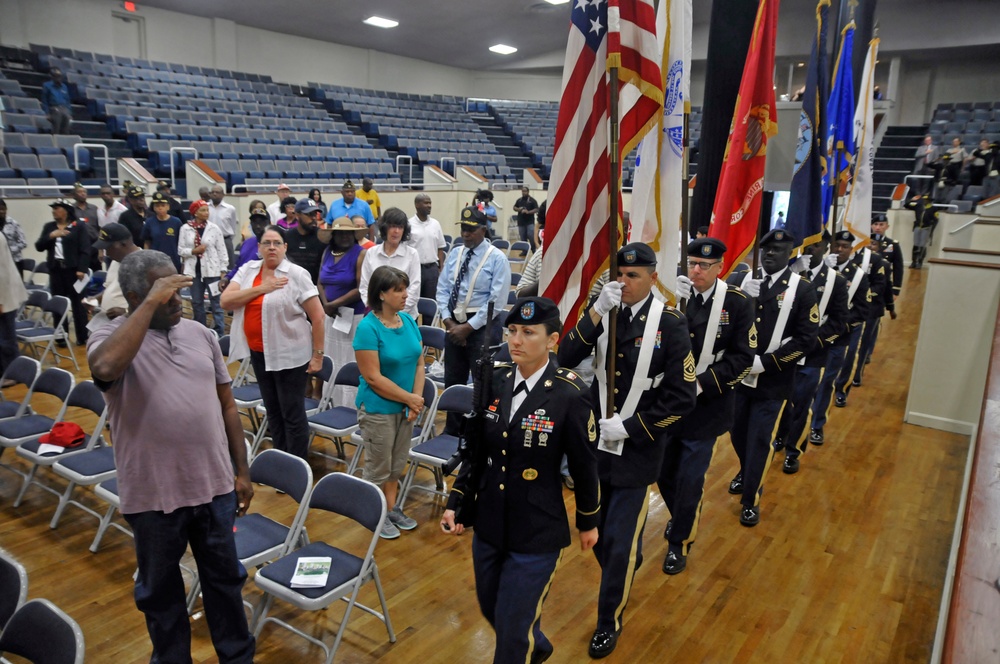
(654, 386)
(858, 301)
(786, 323)
(879, 288)
(925, 219)
(720, 323)
(883, 299)
(831, 298)
(890, 251)
(538, 414)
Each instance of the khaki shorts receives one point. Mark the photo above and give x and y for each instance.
(387, 444)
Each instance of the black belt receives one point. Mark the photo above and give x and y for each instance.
(60, 263)
(429, 264)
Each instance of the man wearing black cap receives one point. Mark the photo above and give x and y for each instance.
(134, 218)
(161, 231)
(723, 340)
(305, 247)
(654, 386)
(163, 187)
(538, 414)
(858, 299)
(925, 219)
(474, 274)
(67, 247)
(878, 271)
(116, 242)
(830, 289)
(786, 324)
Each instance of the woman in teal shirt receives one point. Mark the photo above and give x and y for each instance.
(389, 351)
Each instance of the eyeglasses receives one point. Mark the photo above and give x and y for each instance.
(702, 265)
(272, 243)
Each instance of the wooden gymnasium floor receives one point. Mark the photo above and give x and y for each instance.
(847, 564)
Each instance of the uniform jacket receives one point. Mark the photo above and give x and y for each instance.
(859, 305)
(836, 325)
(879, 272)
(713, 413)
(926, 216)
(519, 500)
(658, 407)
(800, 332)
(75, 246)
(894, 255)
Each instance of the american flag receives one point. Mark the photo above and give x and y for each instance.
(578, 210)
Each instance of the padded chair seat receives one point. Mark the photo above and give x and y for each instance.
(247, 392)
(338, 417)
(344, 567)
(23, 427)
(93, 463)
(442, 447)
(255, 533)
(32, 446)
(36, 332)
(8, 408)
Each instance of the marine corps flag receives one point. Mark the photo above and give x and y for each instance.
(805, 205)
(736, 213)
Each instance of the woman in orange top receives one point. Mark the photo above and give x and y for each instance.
(278, 321)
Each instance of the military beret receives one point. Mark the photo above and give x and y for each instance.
(533, 311)
(879, 217)
(637, 254)
(707, 247)
(473, 216)
(777, 235)
(845, 236)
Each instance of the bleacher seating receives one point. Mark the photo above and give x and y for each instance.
(970, 122)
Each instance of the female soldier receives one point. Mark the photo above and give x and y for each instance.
(538, 412)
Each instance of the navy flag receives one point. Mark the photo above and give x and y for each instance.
(805, 205)
(840, 118)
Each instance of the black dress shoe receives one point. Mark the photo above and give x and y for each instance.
(841, 401)
(540, 656)
(603, 643)
(750, 516)
(778, 444)
(61, 343)
(674, 563)
(736, 485)
(868, 360)
(816, 436)
(856, 382)
(666, 531)
(791, 465)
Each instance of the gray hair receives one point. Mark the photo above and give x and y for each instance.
(133, 275)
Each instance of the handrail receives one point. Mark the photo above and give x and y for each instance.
(400, 159)
(173, 174)
(964, 226)
(98, 146)
(237, 188)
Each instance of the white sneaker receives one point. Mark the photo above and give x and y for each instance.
(389, 531)
(400, 520)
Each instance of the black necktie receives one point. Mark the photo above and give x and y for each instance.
(453, 299)
(624, 322)
(766, 284)
(521, 387)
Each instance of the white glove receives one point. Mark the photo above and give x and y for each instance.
(758, 366)
(613, 428)
(610, 297)
(683, 287)
(831, 260)
(752, 287)
(801, 264)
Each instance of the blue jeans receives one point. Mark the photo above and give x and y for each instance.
(199, 289)
(160, 542)
(510, 588)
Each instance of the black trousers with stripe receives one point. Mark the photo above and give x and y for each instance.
(682, 485)
(619, 549)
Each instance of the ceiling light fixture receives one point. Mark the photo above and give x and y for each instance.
(380, 22)
(503, 49)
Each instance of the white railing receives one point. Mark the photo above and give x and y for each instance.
(95, 146)
(408, 160)
(173, 173)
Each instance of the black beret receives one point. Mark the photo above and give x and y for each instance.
(777, 235)
(636, 254)
(707, 247)
(826, 237)
(473, 216)
(845, 236)
(532, 311)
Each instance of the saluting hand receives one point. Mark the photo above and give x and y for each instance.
(165, 287)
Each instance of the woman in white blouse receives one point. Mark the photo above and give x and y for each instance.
(394, 228)
(278, 321)
(202, 249)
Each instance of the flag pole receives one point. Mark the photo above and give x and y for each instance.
(685, 201)
(836, 191)
(614, 188)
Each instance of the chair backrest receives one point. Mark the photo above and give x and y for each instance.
(86, 395)
(58, 306)
(351, 497)
(426, 418)
(224, 345)
(456, 399)
(349, 375)
(41, 632)
(24, 370)
(13, 586)
(325, 372)
(427, 308)
(283, 471)
(432, 337)
(56, 382)
(37, 298)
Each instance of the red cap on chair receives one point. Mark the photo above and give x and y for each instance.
(64, 434)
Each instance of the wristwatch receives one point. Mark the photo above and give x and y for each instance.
(318, 352)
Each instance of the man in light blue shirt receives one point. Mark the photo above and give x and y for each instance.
(56, 102)
(349, 206)
(474, 274)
